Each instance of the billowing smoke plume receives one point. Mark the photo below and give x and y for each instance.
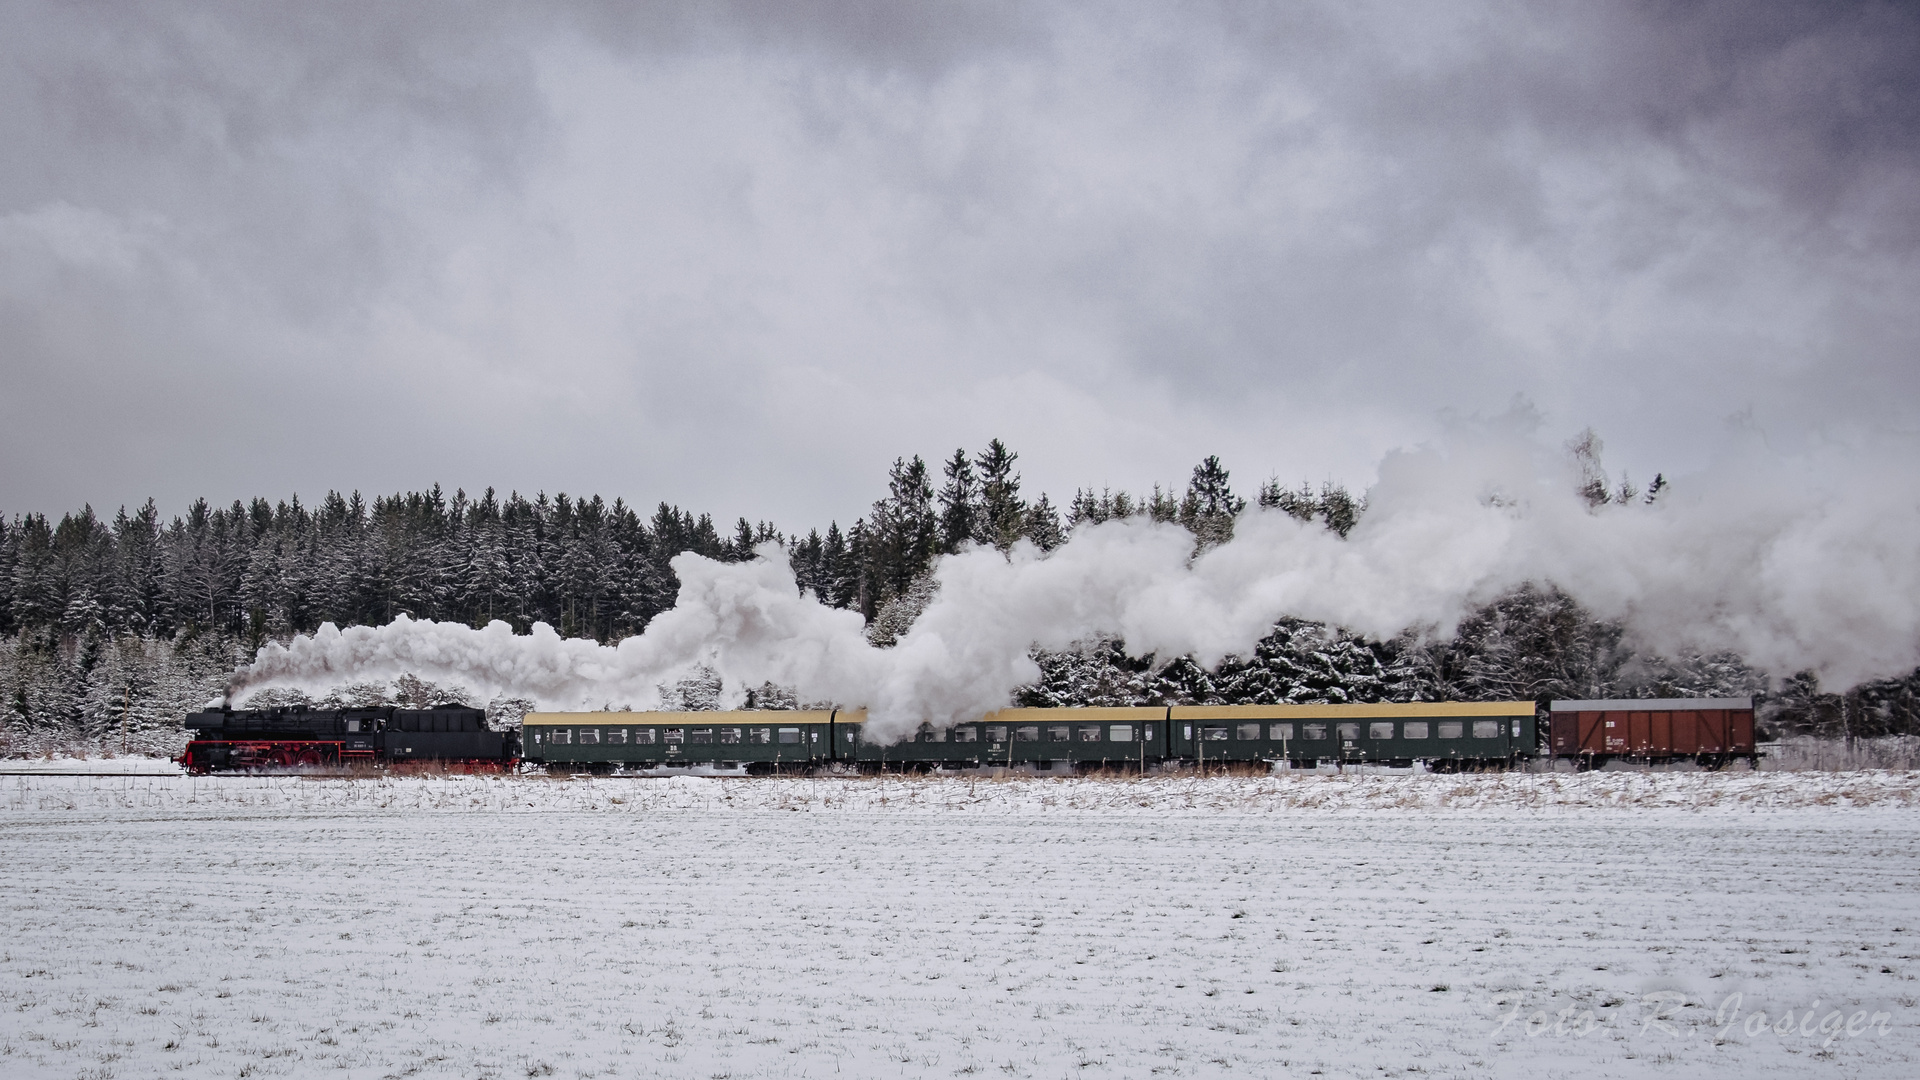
(1805, 564)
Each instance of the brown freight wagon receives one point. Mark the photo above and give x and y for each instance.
(1710, 731)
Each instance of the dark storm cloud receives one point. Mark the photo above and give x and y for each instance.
(740, 255)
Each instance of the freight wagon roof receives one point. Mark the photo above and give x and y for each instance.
(1685, 704)
(782, 717)
(1314, 712)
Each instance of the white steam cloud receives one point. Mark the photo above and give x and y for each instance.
(1810, 563)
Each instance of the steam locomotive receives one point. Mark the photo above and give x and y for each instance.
(227, 740)
(1447, 736)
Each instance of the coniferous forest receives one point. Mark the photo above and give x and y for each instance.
(111, 629)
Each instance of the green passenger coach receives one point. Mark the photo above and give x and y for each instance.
(756, 742)
(1043, 740)
(1448, 736)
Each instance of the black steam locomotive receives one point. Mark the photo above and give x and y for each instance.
(249, 740)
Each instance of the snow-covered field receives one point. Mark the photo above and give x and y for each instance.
(72, 766)
(1612, 924)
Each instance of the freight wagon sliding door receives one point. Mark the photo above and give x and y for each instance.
(1715, 735)
(1602, 733)
(1690, 730)
(1639, 732)
(1739, 731)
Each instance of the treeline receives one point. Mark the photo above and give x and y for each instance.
(111, 629)
(585, 566)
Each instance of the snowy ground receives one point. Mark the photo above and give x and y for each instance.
(71, 766)
(1376, 925)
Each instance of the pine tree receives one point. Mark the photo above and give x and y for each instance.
(841, 568)
(961, 508)
(1339, 510)
(1162, 506)
(1086, 509)
(741, 549)
(36, 600)
(9, 558)
(808, 559)
(903, 531)
(1003, 514)
(1209, 507)
(1043, 525)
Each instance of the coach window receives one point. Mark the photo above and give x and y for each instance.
(1059, 733)
(1148, 733)
(1280, 732)
(676, 735)
(1486, 729)
(730, 736)
(702, 736)
(1413, 729)
(1314, 732)
(1380, 729)
(643, 736)
(562, 735)
(1348, 732)
(589, 736)
(1450, 729)
(1248, 733)
(617, 736)
(1090, 733)
(760, 735)
(1119, 732)
(966, 733)
(1027, 734)
(1214, 734)
(996, 733)
(789, 736)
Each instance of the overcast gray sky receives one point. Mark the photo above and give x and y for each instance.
(740, 256)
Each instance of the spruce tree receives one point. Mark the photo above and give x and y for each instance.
(1003, 514)
(903, 531)
(1209, 507)
(960, 504)
(841, 567)
(1043, 525)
